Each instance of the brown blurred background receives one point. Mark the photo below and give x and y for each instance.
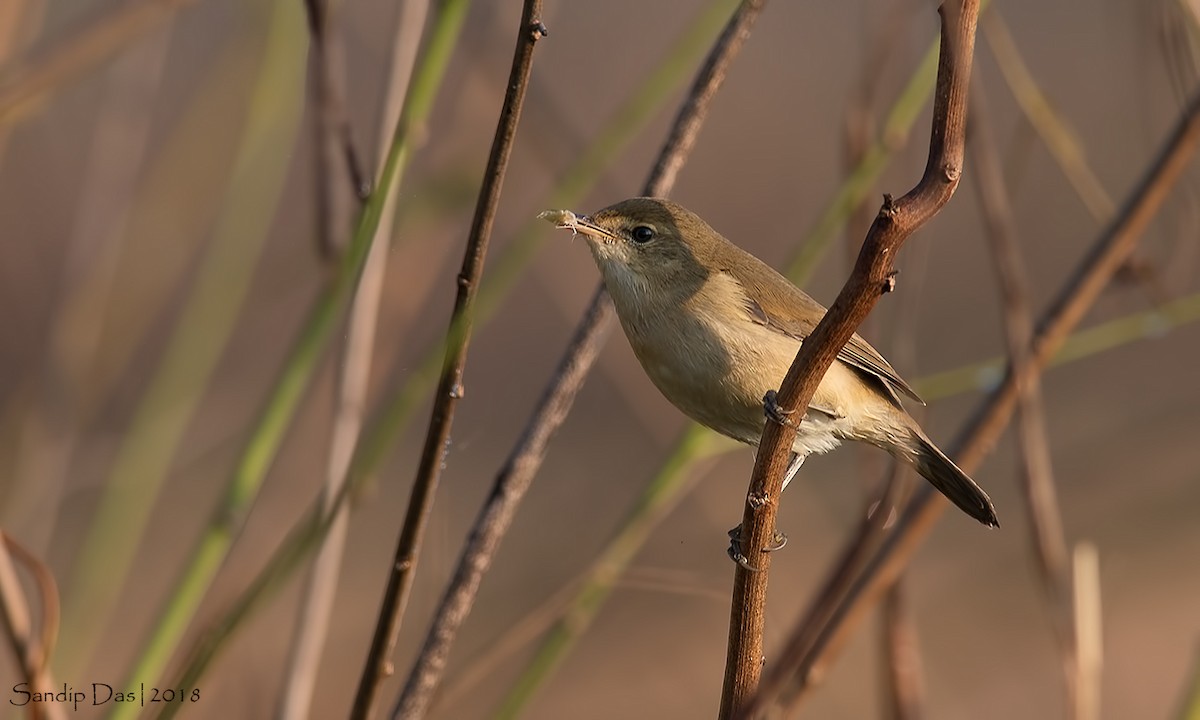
(113, 183)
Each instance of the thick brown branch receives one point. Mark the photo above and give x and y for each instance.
(450, 387)
(526, 457)
(807, 644)
(896, 221)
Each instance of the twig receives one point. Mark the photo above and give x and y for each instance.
(1089, 647)
(904, 674)
(906, 691)
(526, 457)
(339, 196)
(20, 22)
(900, 655)
(694, 111)
(496, 515)
(312, 620)
(1059, 139)
(896, 221)
(1037, 475)
(806, 644)
(32, 654)
(450, 387)
(71, 56)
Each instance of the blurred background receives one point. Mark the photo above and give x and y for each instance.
(160, 250)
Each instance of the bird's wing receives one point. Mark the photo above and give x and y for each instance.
(778, 304)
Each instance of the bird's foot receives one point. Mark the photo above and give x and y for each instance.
(778, 541)
(776, 413)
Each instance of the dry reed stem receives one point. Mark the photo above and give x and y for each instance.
(333, 144)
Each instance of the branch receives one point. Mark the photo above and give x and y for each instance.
(340, 195)
(450, 388)
(31, 653)
(896, 221)
(905, 685)
(83, 49)
(1037, 474)
(821, 628)
(525, 460)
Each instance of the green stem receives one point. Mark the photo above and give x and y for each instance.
(198, 341)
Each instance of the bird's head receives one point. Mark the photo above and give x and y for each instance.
(648, 249)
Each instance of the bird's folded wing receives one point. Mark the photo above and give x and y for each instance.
(788, 310)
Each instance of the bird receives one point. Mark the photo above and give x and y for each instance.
(716, 329)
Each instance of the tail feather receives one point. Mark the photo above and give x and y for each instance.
(952, 482)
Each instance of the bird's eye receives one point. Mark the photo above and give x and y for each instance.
(642, 234)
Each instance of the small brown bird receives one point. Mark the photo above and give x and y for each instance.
(716, 329)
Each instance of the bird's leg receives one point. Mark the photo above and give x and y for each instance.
(794, 463)
(778, 539)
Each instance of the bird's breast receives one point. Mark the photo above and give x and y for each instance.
(708, 357)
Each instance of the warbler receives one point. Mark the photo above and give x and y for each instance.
(716, 330)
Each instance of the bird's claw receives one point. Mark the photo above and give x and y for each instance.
(778, 541)
(774, 412)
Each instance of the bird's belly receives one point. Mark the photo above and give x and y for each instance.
(721, 385)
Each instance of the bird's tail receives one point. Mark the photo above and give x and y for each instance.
(955, 484)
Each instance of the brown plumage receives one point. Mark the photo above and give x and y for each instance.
(715, 328)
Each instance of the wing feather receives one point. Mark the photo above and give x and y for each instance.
(775, 302)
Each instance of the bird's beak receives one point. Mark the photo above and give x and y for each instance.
(576, 223)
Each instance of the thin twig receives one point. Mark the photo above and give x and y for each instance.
(1037, 475)
(906, 689)
(340, 185)
(1088, 631)
(313, 619)
(896, 221)
(496, 515)
(1055, 133)
(450, 387)
(899, 652)
(808, 642)
(526, 457)
(20, 23)
(32, 654)
(904, 673)
(73, 55)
